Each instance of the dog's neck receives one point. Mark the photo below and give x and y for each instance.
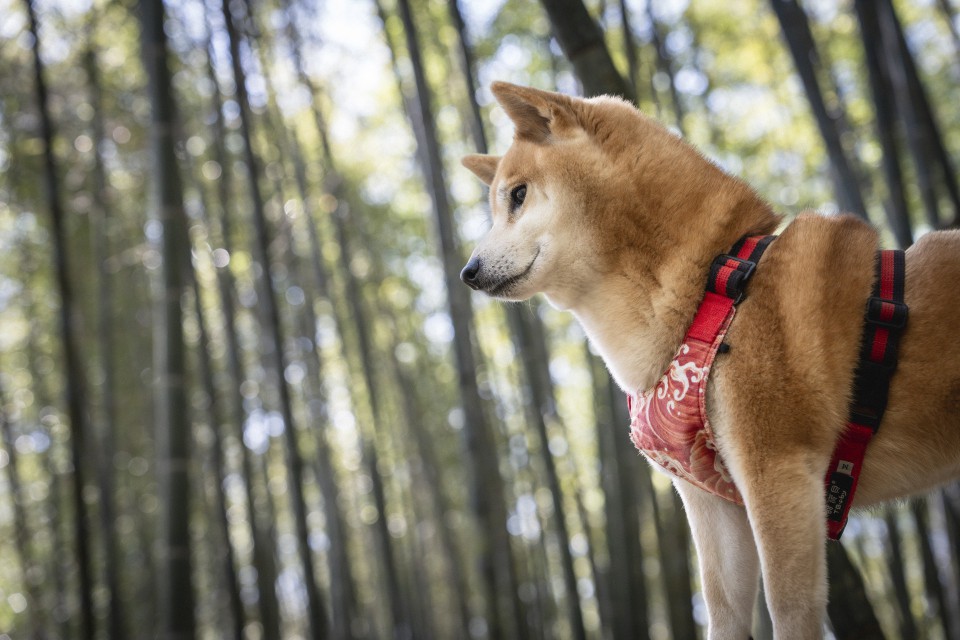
(637, 314)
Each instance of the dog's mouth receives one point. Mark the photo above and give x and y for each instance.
(503, 287)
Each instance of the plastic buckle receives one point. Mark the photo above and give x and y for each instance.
(744, 267)
(875, 307)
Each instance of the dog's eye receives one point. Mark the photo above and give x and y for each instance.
(518, 195)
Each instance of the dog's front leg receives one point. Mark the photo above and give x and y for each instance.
(784, 499)
(729, 566)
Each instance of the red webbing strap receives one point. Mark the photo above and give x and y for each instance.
(725, 288)
(886, 317)
(726, 285)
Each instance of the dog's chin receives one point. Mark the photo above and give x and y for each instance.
(512, 289)
(515, 288)
(512, 293)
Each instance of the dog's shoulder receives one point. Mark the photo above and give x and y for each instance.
(811, 285)
(819, 271)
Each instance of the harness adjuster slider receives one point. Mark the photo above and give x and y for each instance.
(738, 273)
(875, 312)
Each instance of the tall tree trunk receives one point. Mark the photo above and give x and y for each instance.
(35, 617)
(933, 589)
(219, 471)
(174, 589)
(106, 439)
(665, 66)
(673, 539)
(545, 611)
(418, 578)
(399, 609)
(799, 38)
(629, 49)
(34, 573)
(75, 382)
(57, 603)
(534, 359)
(316, 611)
(488, 490)
(920, 121)
(849, 609)
(343, 588)
(949, 17)
(434, 481)
(344, 621)
(898, 213)
(467, 67)
(917, 134)
(582, 42)
(399, 612)
(342, 583)
(413, 419)
(952, 522)
(620, 467)
(908, 627)
(262, 549)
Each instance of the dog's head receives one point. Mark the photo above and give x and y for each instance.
(578, 184)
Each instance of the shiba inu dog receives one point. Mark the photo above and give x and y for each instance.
(617, 220)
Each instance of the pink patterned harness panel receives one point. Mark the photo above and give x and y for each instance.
(669, 424)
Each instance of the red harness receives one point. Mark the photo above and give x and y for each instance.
(669, 423)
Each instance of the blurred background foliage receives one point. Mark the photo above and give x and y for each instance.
(241, 391)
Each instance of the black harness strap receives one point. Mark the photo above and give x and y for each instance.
(886, 318)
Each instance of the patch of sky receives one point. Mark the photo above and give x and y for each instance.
(823, 11)
(425, 272)
(667, 11)
(259, 427)
(438, 328)
(678, 40)
(479, 16)
(524, 521)
(690, 81)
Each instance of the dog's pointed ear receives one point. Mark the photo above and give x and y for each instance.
(483, 166)
(536, 114)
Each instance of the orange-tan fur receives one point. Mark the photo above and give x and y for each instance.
(620, 223)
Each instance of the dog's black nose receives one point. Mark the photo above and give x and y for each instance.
(470, 273)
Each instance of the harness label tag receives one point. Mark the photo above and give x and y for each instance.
(845, 466)
(841, 486)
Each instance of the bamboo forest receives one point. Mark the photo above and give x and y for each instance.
(243, 392)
